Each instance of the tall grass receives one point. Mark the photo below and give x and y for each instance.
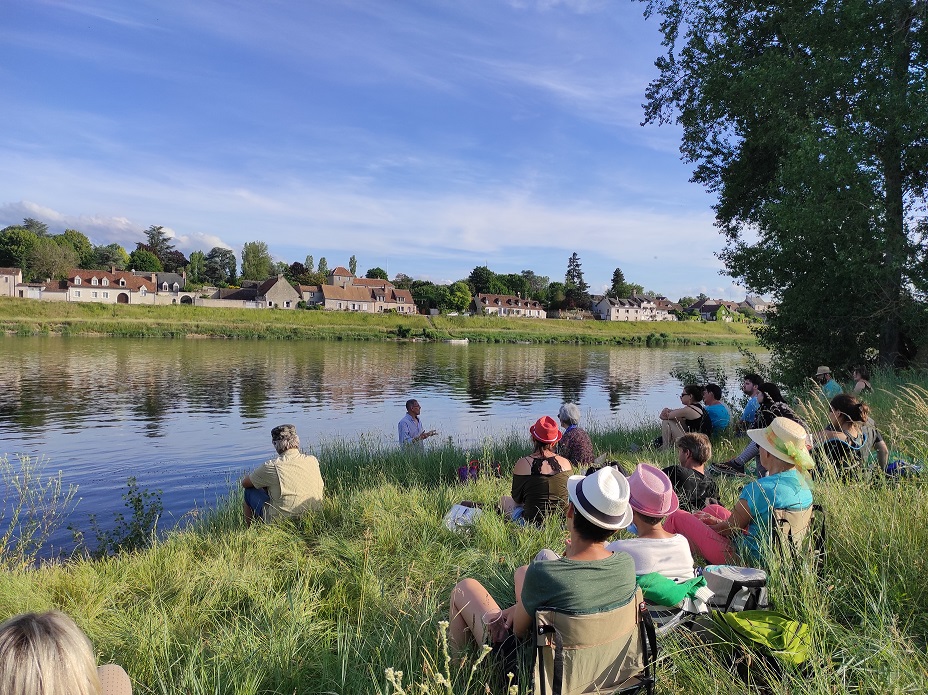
(328, 603)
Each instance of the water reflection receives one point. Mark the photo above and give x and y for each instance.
(185, 415)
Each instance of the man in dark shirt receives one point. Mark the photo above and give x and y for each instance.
(693, 487)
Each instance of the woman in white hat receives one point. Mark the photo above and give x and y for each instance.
(652, 499)
(721, 535)
(587, 579)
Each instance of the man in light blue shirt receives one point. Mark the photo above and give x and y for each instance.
(830, 387)
(410, 428)
(751, 386)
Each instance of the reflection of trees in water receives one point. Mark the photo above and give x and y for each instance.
(254, 389)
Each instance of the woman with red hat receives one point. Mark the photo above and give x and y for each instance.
(539, 480)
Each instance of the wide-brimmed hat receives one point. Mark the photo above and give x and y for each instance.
(651, 492)
(822, 370)
(546, 430)
(602, 497)
(785, 439)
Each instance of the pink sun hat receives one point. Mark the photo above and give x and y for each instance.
(651, 492)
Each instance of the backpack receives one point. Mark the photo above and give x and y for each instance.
(776, 638)
(736, 588)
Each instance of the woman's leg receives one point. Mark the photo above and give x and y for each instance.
(714, 547)
(671, 431)
(470, 602)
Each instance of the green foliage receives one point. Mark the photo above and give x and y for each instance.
(353, 265)
(256, 261)
(16, 243)
(33, 506)
(459, 297)
(576, 290)
(812, 139)
(310, 265)
(377, 273)
(323, 268)
(81, 245)
(220, 266)
(144, 260)
(110, 255)
(135, 532)
(49, 259)
(158, 242)
(197, 268)
(619, 287)
(38, 228)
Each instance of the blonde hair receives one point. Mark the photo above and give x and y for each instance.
(46, 654)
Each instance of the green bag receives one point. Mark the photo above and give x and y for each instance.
(770, 632)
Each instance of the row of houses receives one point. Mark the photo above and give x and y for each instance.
(343, 292)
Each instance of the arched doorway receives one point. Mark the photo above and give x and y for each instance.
(122, 298)
(186, 299)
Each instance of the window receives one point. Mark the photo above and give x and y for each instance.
(122, 282)
(93, 281)
(106, 282)
(106, 295)
(77, 293)
(176, 287)
(164, 286)
(144, 291)
(93, 294)
(77, 281)
(286, 304)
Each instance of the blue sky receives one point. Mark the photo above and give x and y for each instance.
(423, 137)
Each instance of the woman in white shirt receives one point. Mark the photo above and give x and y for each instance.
(655, 549)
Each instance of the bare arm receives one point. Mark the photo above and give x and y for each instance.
(736, 523)
(882, 453)
(515, 616)
(246, 482)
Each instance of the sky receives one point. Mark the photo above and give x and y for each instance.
(423, 137)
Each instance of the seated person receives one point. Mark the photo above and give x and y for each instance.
(652, 498)
(735, 536)
(770, 405)
(286, 486)
(588, 579)
(718, 411)
(576, 445)
(850, 435)
(861, 380)
(539, 480)
(47, 653)
(690, 417)
(693, 487)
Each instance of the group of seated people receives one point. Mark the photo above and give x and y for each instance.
(672, 513)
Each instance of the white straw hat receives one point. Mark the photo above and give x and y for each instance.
(602, 498)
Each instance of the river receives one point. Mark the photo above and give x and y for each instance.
(189, 416)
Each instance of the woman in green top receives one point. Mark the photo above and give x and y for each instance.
(539, 480)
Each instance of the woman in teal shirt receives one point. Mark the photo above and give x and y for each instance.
(723, 536)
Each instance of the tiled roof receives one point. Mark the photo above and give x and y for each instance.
(339, 270)
(373, 283)
(508, 300)
(350, 294)
(133, 283)
(10, 271)
(245, 294)
(307, 288)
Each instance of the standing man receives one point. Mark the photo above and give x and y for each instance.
(718, 411)
(830, 387)
(693, 487)
(410, 428)
(751, 387)
(286, 486)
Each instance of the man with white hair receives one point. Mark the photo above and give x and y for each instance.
(286, 486)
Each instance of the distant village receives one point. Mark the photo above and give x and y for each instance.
(343, 291)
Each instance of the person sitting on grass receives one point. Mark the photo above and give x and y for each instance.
(539, 480)
(694, 488)
(652, 498)
(286, 486)
(850, 435)
(718, 411)
(48, 654)
(575, 445)
(587, 579)
(690, 417)
(735, 536)
(861, 380)
(771, 404)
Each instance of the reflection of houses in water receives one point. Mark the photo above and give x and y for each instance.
(625, 369)
(518, 373)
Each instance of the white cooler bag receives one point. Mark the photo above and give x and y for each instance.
(736, 588)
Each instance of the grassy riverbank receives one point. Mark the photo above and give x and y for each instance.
(32, 317)
(327, 604)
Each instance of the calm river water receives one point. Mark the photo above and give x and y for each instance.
(188, 416)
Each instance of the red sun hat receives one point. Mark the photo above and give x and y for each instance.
(546, 430)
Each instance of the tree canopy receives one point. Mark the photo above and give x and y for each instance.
(143, 259)
(220, 266)
(809, 122)
(576, 291)
(619, 287)
(377, 274)
(256, 261)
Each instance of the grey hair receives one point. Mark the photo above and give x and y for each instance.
(285, 438)
(569, 413)
(46, 654)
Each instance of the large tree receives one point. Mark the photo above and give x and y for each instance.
(353, 266)
(35, 226)
(158, 242)
(16, 244)
(196, 268)
(619, 287)
(109, 256)
(576, 290)
(376, 273)
(256, 261)
(220, 266)
(143, 259)
(809, 122)
(49, 259)
(81, 245)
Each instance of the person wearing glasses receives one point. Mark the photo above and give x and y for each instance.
(689, 417)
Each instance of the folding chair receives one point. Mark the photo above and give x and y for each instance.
(595, 654)
(800, 530)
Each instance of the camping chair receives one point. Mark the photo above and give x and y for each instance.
(597, 653)
(799, 530)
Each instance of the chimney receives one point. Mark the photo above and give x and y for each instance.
(113, 269)
(154, 278)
